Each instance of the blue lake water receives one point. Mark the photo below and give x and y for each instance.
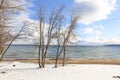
(72, 52)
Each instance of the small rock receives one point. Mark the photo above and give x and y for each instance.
(13, 65)
(3, 72)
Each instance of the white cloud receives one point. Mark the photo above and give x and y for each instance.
(23, 16)
(94, 10)
(97, 30)
(99, 27)
(103, 41)
(74, 39)
(92, 34)
(89, 30)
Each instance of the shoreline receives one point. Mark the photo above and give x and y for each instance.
(112, 62)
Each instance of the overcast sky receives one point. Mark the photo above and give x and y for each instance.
(99, 19)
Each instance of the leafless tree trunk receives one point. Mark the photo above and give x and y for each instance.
(64, 50)
(41, 35)
(58, 49)
(58, 36)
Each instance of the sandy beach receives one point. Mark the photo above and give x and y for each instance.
(113, 62)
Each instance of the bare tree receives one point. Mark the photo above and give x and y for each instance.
(63, 37)
(46, 38)
(66, 36)
(53, 23)
(8, 9)
(11, 41)
(73, 23)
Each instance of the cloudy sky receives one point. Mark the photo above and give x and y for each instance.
(99, 19)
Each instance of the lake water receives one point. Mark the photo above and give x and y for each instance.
(72, 52)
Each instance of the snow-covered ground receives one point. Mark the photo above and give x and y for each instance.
(30, 71)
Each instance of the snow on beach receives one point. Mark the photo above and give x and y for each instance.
(30, 71)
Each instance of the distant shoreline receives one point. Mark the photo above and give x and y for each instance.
(67, 45)
(112, 62)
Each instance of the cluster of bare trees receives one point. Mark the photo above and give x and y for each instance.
(57, 30)
(56, 22)
(8, 9)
